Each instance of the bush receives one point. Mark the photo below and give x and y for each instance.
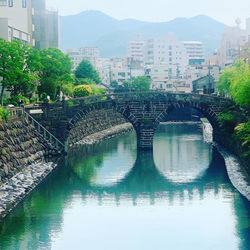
(82, 90)
(228, 121)
(15, 100)
(4, 114)
(97, 91)
(34, 100)
(242, 131)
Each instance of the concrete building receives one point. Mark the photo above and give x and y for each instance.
(16, 21)
(46, 32)
(167, 77)
(204, 85)
(195, 72)
(136, 49)
(233, 38)
(167, 50)
(195, 51)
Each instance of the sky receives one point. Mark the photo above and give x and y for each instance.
(225, 11)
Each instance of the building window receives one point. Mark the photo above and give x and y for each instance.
(10, 3)
(3, 2)
(24, 3)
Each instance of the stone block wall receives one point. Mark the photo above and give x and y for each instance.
(93, 122)
(20, 146)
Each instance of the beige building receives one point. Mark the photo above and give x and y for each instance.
(233, 38)
(16, 20)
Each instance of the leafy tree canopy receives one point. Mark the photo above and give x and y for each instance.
(141, 83)
(235, 81)
(86, 70)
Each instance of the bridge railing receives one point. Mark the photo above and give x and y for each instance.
(49, 137)
(147, 95)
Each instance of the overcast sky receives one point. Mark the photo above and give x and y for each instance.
(225, 11)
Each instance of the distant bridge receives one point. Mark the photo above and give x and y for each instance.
(144, 110)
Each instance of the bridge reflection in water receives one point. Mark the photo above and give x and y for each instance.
(105, 191)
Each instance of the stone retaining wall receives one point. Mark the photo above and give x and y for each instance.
(20, 145)
(93, 122)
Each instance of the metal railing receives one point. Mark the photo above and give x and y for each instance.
(50, 138)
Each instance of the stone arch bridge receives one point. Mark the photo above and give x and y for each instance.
(144, 110)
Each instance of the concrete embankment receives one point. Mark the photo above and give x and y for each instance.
(20, 145)
(106, 134)
(237, 172)
(20, 185)
(22, 165)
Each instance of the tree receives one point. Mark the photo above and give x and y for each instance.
(56, 68)
(141, 83)
(86, 70)
(18, 64)
(235, 82)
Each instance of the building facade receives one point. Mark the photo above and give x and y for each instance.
(136, 50)
(46, 26)
(16, 20)
(233, 38)
(195, 51)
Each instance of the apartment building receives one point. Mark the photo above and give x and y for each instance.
(167, 77)
(16, 20)
(46, 23)
(166, 50)
(195, 51)
(233, 38)
(89, 53)
(136, 50)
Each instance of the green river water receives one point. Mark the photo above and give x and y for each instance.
(109, 197)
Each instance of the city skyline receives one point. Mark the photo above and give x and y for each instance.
(159, 10)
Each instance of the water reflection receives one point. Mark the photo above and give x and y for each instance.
(93, 203)
(180, 153)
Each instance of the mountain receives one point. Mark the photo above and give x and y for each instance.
(111, 36)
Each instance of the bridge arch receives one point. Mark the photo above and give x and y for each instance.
(145, 111)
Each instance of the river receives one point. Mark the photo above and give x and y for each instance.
(109, 197)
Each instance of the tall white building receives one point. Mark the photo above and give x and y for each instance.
(166, 50)
(16, 20)
(195, 51)
(136, 50)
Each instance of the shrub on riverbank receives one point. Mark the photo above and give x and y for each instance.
(4, 114)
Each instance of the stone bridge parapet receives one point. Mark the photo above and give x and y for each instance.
(145, 110)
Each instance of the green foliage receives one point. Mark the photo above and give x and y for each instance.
(85, 81)
(18, 66)
(235, 81)
(55, 72)
(3, 152)
(82, 90)
(70, 103)
(227, 121)
(242, 131)
(15, 100)
(34, 100)
(68, 89)
(86, 70)
(141, 83)
(4, 114)
(97, 91)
